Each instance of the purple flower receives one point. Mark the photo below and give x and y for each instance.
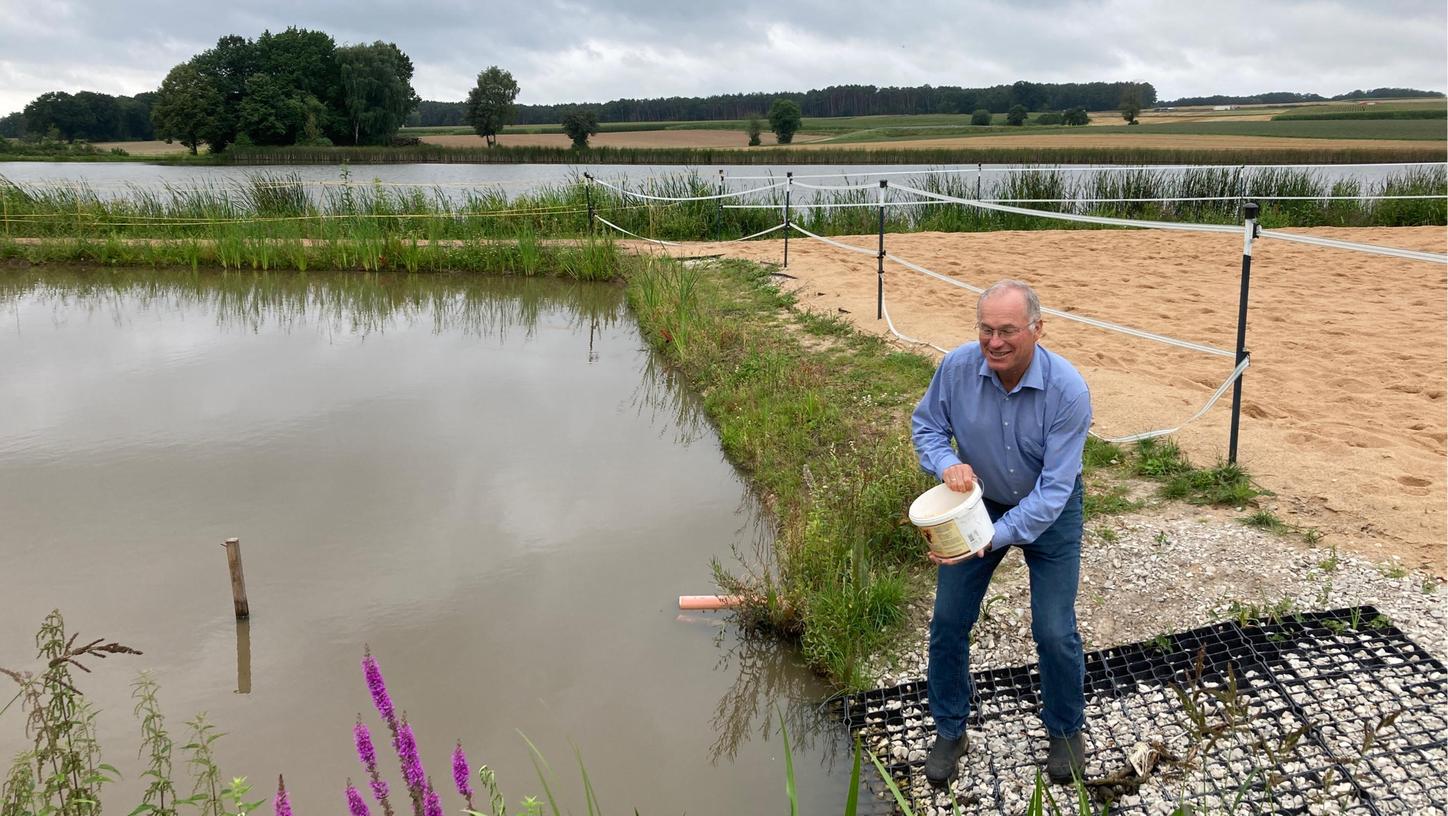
(282, 804)
(411, 762)
(460, 773)
(431, 805)
(365, 751)
(375, 684)
(355, 805)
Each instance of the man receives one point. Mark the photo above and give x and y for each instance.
(1018, 414)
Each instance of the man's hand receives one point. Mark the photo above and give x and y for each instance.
(960, 478)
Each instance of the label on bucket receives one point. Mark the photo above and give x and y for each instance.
(948, 540)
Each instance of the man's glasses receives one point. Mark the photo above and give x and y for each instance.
(1004, 333)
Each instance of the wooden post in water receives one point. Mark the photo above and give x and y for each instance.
(238, 581)
(243, 656)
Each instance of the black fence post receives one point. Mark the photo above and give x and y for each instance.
(1249, 231)
(880, 259)
(719, 210)
(588, 193)
(788, 187)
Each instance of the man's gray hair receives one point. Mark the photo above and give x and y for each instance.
(1033, 303)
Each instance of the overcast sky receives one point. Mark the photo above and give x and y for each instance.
(563, 51)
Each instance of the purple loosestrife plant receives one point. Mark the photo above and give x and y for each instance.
(432, 806)
(375, 684)
(282, 804)
(355, 804)
(412, 772)
(368, 754)
(461, 774)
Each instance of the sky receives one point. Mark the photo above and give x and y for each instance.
(561, 51)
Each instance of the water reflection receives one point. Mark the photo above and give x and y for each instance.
(354, 303)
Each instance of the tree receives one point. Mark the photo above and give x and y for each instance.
(1130, 104)
(490, 103)
(227, 67)
(754, 128)
(579, 124)
(1050, 118)
(980, 117)
(377, 90)
(1076, 116)
(1017, 115)
(784, 119)
(187, 107)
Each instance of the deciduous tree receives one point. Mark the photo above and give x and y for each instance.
(784, 120)
(754, 128)
(187, 107)
(579, 124)
(1130, 104)
(490, 103)
(376, 90)
(1016, 115)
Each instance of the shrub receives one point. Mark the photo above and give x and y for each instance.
(1017, 115)
(1050, 119)
(980, 117)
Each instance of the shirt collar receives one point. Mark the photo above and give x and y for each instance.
(1035, 376)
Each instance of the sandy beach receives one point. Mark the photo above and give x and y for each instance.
(1344, 417)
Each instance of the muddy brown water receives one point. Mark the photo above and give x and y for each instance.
(489, 482)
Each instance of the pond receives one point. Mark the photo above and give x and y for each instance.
(489, 482)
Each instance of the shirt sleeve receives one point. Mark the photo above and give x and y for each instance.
(930, 427)
(1065, 442)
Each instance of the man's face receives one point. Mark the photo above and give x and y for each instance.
(1006, 339)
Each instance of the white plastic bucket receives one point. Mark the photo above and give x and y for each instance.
(953, 523)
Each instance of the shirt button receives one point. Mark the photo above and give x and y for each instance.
(1008, 423)
(1008, 447)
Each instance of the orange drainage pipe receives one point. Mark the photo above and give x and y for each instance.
(709, 601)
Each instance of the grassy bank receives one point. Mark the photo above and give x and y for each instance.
(816, 415)
(362, 250)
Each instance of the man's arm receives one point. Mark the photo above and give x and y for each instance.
(1065, 441)
(930, 428)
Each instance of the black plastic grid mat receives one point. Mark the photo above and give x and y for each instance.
(1333, 711)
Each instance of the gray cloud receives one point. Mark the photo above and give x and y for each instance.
(563, 50)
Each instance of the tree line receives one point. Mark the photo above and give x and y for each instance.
(836, 100)
(1284, 97)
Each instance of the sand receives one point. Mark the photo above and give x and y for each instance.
(1344, 416)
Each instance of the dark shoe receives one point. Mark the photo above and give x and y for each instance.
(944, 759)
(1067, 760)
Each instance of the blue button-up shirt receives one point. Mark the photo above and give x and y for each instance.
(1025, 446)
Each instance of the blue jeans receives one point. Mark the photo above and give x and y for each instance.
(1054, 561)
